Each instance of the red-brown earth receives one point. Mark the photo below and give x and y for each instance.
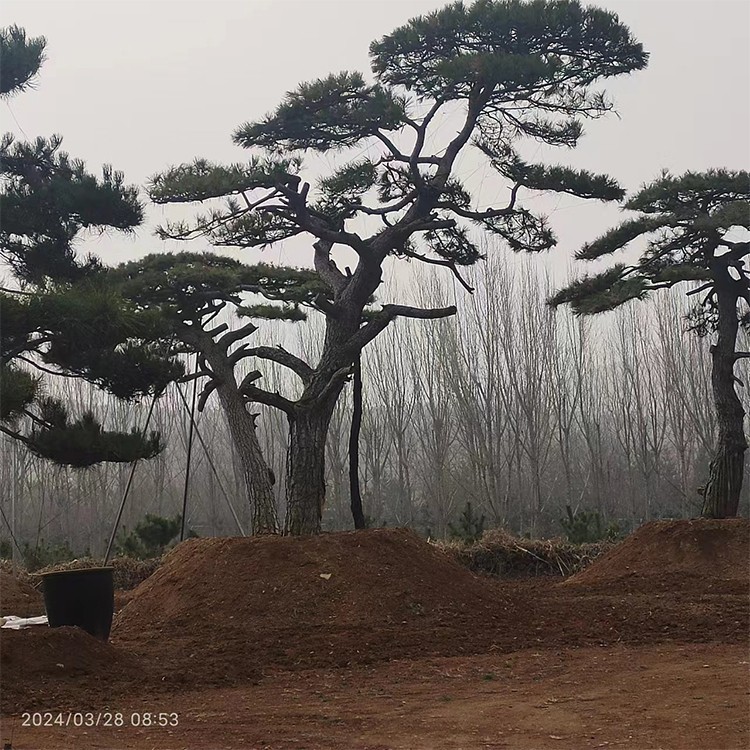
(377, 640)
(18, 597)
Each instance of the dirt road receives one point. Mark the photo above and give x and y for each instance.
(669, 696)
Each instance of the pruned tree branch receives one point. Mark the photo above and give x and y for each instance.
(258, 395)
(333, 383)
(234, 336)
(285, 358)
(325, 266)
(208, 389)
(386, 315)
(240, 353)
(216, 331)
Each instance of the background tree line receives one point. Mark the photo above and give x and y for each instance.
(501, 407)
(510, 405)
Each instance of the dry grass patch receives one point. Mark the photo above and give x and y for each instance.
(499, 553)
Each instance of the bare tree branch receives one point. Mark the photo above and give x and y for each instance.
(383, 210)
(208, 389)
(390, 145)
(251, 377)
(389, 313)
(333, 383)
(234, 336)
(216, 331)
(48, 370)
(283, 357)
(439, 262)
(258, 395)
(699, 289)
(316, 225)
(241, 352)
(321, 302)
(15, 435)
(489, 213)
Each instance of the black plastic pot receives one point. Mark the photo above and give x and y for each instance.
(85, 598)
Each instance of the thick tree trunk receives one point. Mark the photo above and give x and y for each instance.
(308, 423)
(257, 475)
(354, 487)
(305, 481)
(721, 496)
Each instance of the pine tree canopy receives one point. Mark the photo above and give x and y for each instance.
(79, 330)
(82, 443)
(542, 53)
(19, 390)
(517, 70)
(684, 221)
(183, 288)
(58, 318)
(20, 60)
(186, 292)
(689, 227)
(85, 330)
(334, 112)
(48, 199)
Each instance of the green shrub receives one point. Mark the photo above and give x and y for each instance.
(586, 526)
(43, 554)
(470, 526)
(150, 537)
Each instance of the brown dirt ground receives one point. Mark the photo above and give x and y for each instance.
(670, 697)
(700, 551)
(246, 640)
(19, 598)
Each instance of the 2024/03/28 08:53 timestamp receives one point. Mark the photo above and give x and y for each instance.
(99, 719)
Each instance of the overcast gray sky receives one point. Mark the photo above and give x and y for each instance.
(146, 84)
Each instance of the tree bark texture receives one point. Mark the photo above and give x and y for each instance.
(305, 487)
(721, 495)
(310, 419)
(256, 473)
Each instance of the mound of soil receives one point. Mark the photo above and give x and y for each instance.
(231, 605)
(233, 611)
(59, 668)
(18, 597)
(712, 554)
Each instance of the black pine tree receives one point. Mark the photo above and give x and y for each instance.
(58, 317)
(686, 220)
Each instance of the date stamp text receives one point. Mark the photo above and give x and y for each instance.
(144, 719)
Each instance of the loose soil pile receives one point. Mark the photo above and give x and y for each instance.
(231, 609)
(235, 611)
(708, 554)
(235, 605)
(48, 667)
(19, 598)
